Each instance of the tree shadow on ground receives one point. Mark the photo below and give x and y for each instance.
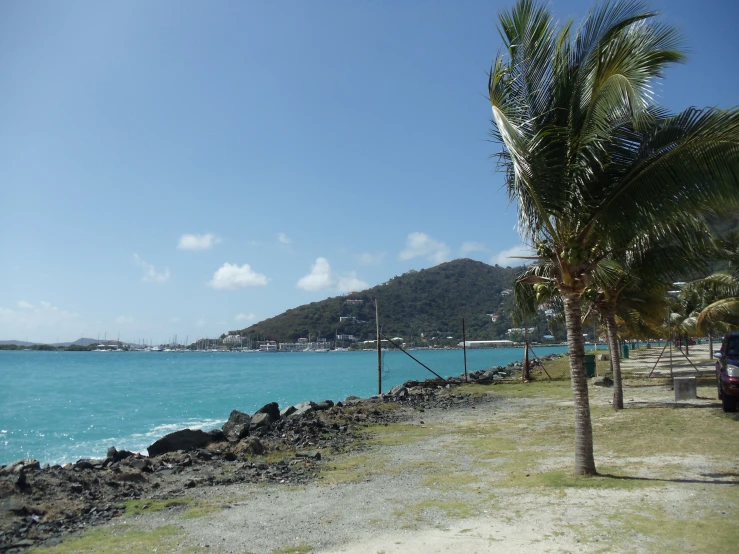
(670, 405)
(713, 481)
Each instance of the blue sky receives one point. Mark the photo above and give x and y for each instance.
(181, 167)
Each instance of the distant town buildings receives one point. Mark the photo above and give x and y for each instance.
(520, 330)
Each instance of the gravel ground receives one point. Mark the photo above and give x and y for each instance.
(398, 510)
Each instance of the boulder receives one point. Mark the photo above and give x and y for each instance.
(290, 410)
(303, 408)
(603, 357)
(216, 435)
(325, 405)
(250, 445)
(186, 439)
(271, 409)
(604, 381)
(399, 391)
(237, 426)
(19, 466)
(259, 421)
(117, 455)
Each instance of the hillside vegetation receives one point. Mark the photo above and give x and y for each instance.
(430, 302)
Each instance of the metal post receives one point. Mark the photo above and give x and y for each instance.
(464, 348)
(379, 349)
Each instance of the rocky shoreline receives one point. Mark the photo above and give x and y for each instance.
(41, 505)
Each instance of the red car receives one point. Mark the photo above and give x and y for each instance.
(727, 373)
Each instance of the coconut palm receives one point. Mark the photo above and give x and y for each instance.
(633, 282)
(719, 293)
(590, 161)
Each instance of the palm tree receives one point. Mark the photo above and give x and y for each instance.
(720, 293)
(633, 282)
(590, 161)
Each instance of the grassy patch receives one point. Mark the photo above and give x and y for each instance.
(148, 505)
(663, 529)
(300, 549)
(394, 434)
(202, 509)
(118, 540)
(352, 468)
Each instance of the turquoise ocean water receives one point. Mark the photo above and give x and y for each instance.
(61, 406)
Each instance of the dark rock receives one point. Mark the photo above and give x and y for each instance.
(604, 381)
(325, 405)
(287, 411)
(271, 409)
(85, 464)
(237, 426)
(216, 435)
(186, 439)
(139, 463)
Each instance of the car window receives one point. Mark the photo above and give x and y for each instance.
(732, 348)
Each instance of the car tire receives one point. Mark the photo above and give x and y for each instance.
(728, 404)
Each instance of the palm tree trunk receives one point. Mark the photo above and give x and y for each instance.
(584, 461)
(612, 328)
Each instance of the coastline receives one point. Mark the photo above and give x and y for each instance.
(42, 504)
(469, 468)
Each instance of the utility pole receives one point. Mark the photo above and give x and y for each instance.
(464, 348)
(379, 349)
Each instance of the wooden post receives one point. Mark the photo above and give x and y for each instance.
(379, 349)
(464, 348)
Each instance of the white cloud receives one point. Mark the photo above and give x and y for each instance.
(151, 275)
(350, 282)
(508, 257)
(232, 276)
(174, 319)
(30, 318)
(284, 239)
(321, 277)
(123, 319)
(198, 242)
(371, 258)
(200, 322)
(245, 317)
(422, 245)
(468, 247)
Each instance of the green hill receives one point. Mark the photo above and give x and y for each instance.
(417, 306)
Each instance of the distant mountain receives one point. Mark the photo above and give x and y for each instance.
(78, 342)
(430, 302)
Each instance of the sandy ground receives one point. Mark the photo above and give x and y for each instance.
(399, 508)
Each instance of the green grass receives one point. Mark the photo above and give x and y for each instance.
(300, 549)
(117, 540)
(148, 505)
